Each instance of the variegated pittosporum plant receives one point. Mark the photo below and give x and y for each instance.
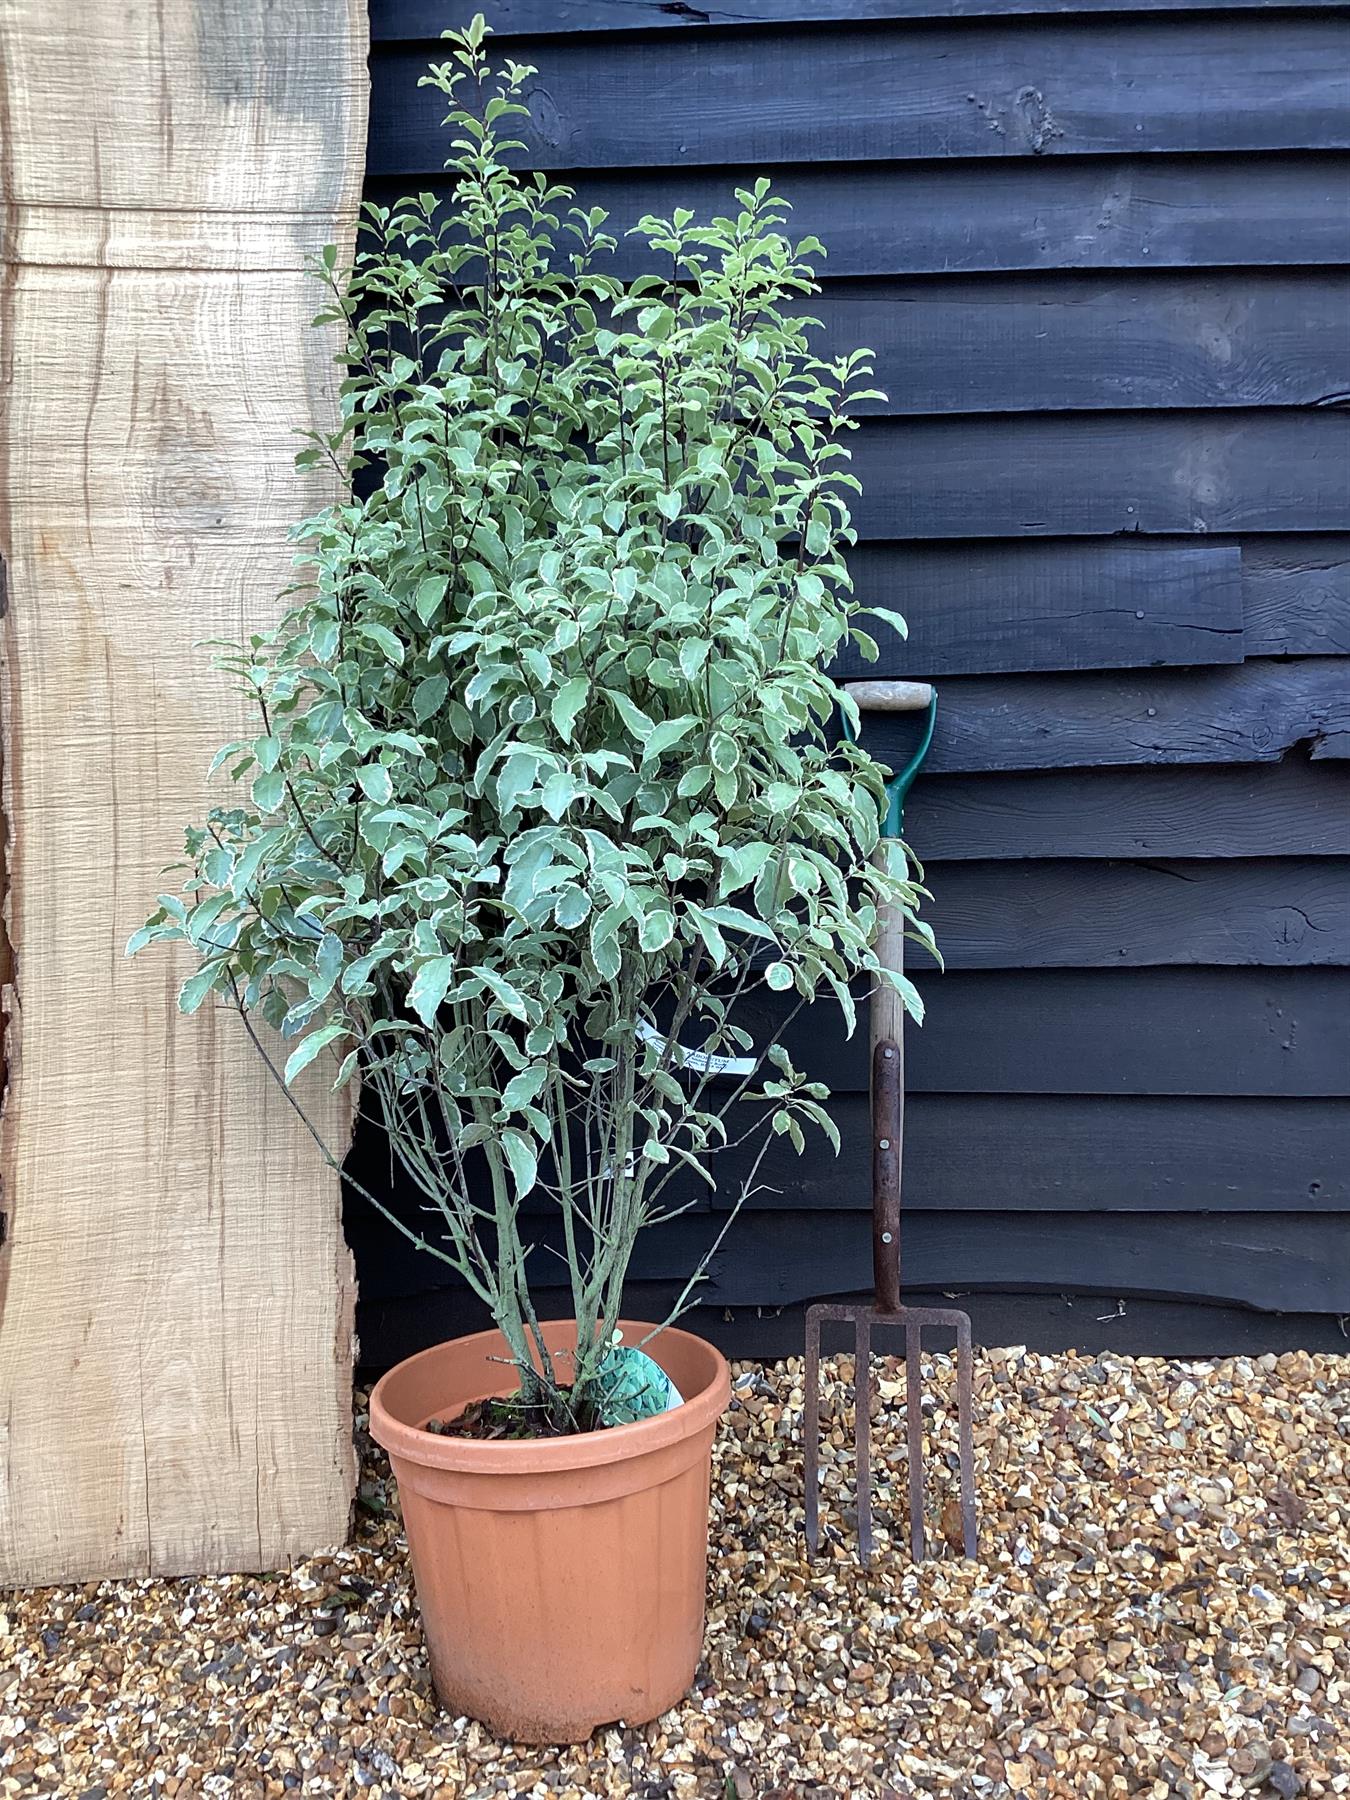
(546, 778)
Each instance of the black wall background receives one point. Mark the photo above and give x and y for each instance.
(1100, 253)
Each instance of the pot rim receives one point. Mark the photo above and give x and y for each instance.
(550, 1456)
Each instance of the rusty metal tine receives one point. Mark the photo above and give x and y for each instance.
(965, 1424)
(914, 1429)
(862, 1430)
(811, 1428)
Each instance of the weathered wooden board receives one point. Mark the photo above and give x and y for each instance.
(1029, 1153)
(1274, 1261)
(989, 90)
(967, 217)
(400, 1326)
(1085, 474)
(1041, 343)
(175, 1295)
(1273, 1032)
(401, 20)
(1289, 808)
(1255, 712)
(997, 604)
(1296, 596)
(1276, 912)
(1009, 1153)
(992, 607)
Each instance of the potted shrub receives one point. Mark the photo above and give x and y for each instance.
(545, 782)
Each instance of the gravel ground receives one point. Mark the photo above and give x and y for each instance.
(1162, 1609)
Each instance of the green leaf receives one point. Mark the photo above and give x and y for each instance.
(560, 790)
(604, 948)
(522, 1160)
(632, 715)
(567, 704)
(195, 989)
(693, 655)
(429, 696)
(779, 976)
(725, 752)
(666, 735)
(269, 791)
(328, 961)
(571, 907)
(429, 987)
(524, 1087)
(519, 774)
(431, 592)
(735, 918)
(381, 635)
(375, 783)
(656, 930)
(309, 1047)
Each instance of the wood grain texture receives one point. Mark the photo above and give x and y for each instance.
(1254, 712)
(1289, 808)
(1070, 1153)
(977, 89)
(176, 1323)
(394, 1328)
(1296, 596)
(1040, 343)
(1279, 1033)
(1273, 1262)
(1002, 1153)
(1137, 212)
(1084, 474)
(400, 20)
(1276, 912)
(1298, 1262)
(997, 607)
(1009, 605)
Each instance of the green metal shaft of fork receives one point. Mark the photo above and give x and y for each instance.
(897, 788)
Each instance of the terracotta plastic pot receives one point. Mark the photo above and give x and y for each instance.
(561, 1581)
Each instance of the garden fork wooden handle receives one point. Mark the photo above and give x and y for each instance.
(889, 696)
(888, 1025)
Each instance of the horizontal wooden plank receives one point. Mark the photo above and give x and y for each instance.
(1033, 343)
(992, 607)
(992, 1153)
(1289, 808)
(1254, 712)
(1029, 1153)
(1177, 83)
(997, 605)
(390, 1329)
(1049, 213)
(399, 21)
(1273, 1032)
(1290, 912)
(1086, 474)
(1272, 1261)
(1296, 596)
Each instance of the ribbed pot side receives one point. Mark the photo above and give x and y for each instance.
(561, 1581)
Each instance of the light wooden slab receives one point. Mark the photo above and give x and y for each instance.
(175, 1294)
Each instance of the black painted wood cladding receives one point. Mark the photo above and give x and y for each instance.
(1100, 249)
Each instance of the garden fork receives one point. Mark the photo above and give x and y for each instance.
(887, 1123)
